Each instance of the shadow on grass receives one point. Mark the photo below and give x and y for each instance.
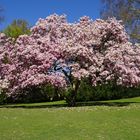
(79, 104)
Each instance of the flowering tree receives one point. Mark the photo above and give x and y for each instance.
(102, 53)
(62, 54)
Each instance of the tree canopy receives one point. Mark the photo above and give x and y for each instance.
(62, 54)
(16, 28)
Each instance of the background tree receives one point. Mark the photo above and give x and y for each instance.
(16, 28)
(126, 10)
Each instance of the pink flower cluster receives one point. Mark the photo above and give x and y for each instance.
(99, 49)
(3, 84)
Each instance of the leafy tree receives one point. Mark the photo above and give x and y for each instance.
(18, 27)
(126, 10)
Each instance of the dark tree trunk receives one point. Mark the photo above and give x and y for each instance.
(71, 99)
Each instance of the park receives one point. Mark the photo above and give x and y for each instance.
(78, 79)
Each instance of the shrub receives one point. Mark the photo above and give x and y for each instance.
(109, 91)
(37, 94)
(3, 97)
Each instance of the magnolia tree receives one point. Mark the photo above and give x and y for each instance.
(62, 54)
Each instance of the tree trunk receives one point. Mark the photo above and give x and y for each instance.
(71, 99)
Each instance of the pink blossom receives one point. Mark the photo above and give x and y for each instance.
(97, 49)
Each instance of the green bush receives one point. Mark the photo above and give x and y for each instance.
(86, 92)
(37, 94)
(3, 97)
(109, 91)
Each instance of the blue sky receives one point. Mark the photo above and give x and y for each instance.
(31, 10)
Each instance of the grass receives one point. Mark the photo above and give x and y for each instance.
(106, 120)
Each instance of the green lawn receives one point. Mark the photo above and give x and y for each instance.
(107, 120)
